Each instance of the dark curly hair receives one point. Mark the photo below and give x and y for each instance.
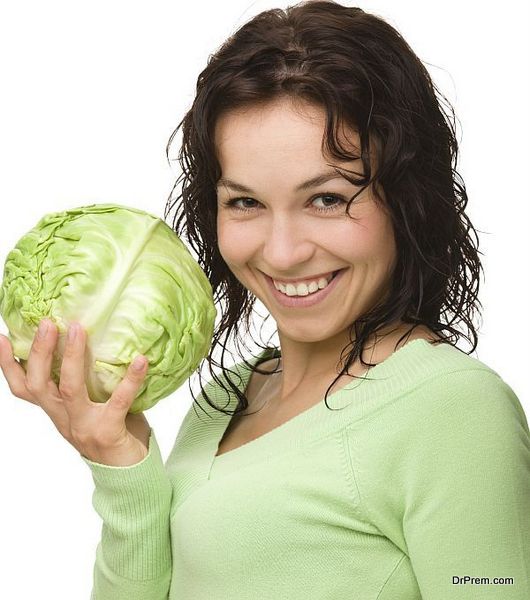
(361, 71)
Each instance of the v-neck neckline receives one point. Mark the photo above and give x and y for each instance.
(274, 440)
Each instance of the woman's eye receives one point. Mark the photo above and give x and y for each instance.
(240, 204)
(321, 203)
(331, 202)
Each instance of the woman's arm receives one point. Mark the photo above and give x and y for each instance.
(446, 477)
(467, 521)
(133, 558)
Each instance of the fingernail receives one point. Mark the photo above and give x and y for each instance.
(44, 325)
(72, 332)
(138, 363)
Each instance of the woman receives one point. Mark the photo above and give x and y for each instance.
(367, 456)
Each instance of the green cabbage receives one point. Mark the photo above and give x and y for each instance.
(132, 284)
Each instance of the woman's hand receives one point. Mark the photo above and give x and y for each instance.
(102, 432)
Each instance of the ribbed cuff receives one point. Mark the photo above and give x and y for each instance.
(134, 503)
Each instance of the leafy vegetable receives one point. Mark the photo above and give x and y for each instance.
(131, 283)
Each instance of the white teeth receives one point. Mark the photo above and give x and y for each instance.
(303, 289)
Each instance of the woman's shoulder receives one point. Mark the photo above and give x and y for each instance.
(457, 385)
(440, 381)
(443, 356)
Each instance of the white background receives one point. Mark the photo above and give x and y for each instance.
(91, 92)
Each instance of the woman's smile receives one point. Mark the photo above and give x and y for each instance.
(290, 298)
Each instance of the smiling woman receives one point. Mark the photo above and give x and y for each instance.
(325, 158)
(365, 455)
(284, 234)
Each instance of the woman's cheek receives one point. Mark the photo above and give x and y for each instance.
(234, 242)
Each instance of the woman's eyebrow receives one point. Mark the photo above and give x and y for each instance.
(313, 182)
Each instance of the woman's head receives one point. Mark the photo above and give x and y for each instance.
(380, 116)
(275, 227)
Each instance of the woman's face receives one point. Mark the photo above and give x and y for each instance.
(277, 230)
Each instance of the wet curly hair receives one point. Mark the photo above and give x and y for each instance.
(360, 71)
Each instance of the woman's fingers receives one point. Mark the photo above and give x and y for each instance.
(40, 359)
(72, 385)
(33, 384)
(13, 371)
(126, 391)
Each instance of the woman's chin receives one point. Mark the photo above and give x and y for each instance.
(306, 334)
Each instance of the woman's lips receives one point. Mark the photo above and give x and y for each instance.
(325, 275)
(304, 301)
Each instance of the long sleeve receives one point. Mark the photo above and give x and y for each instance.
(133, 558)
(455, 494)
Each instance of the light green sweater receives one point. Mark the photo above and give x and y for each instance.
(421, 479)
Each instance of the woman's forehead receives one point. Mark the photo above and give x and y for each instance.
(279, 118)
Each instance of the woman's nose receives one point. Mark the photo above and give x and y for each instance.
(286, 245)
